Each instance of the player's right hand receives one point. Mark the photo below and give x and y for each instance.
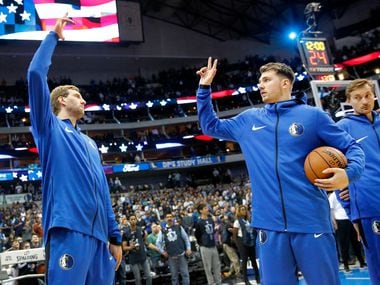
(60, 25)
(207, 73)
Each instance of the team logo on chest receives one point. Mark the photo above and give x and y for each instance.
(209, 228)
(376, 227)
(172, 235)
(296, 129)
(66, 262)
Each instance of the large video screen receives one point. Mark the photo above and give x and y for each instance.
(95, 20)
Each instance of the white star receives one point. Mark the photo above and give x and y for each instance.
(23, 178)
(12, 8)
(14, 174)
(103, 149)
(106, 107)
(19, 2)
(163, 103)
(123, 148)
(149, 104)
(8, 109)
(39, 174)
(1, 2)
(3, 17)
(139, 147)
(132, 106)
(25, 16)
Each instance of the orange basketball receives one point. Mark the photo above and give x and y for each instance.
(321, 158)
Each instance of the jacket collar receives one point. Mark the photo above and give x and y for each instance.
(68, 123)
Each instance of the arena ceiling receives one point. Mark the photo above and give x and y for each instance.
(237, 19)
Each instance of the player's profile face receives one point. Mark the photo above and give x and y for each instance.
(75, 103)
(270, 86)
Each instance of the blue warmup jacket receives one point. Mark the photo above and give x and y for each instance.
(365, 192)
(275, 141)
(74, 187)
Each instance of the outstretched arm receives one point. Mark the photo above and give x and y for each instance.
(211, 125)
(39, 94)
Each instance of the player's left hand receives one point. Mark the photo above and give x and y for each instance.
(344, 194)
(116, 253)
(339, 180)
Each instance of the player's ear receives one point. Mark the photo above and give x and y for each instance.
(61, 100)
(285, 83)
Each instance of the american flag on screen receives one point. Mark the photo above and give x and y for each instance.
(95, 20)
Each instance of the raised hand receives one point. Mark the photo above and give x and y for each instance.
(60, 25)
(207, 73)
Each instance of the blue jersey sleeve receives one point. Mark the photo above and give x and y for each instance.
(228, 129)
(41, 114)
(336, 137)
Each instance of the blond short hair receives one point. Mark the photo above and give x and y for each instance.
(57, 92)
(356, 84)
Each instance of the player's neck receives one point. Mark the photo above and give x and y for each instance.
(368, 115)
(65, 116)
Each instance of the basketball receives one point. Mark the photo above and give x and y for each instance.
(321, 158)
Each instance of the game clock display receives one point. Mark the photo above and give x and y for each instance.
(315, 55)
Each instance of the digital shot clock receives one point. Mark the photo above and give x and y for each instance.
(315, 55)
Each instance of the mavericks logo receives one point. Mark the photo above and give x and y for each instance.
(296, 129)
(376, 227)
(66, 262)
(263, 237)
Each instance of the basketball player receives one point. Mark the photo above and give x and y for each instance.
(291, 214)
(81, 236)
(363, 207)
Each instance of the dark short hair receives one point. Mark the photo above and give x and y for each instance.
(132, 215)
(201, 206)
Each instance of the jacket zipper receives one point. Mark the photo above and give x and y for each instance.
(376, 134)
(278, 175)
(95, 192)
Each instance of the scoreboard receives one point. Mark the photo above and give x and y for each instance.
(315, 55)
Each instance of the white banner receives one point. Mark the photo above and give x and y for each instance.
(14, 198)
(22, 256)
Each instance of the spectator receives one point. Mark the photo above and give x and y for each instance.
(173, 242)
(245, 239)
(345, 233)
(204, 233)
(133, 242)
(229, 247)
(37, 227)
(35, 242)
(153, 251)
(26, 269)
